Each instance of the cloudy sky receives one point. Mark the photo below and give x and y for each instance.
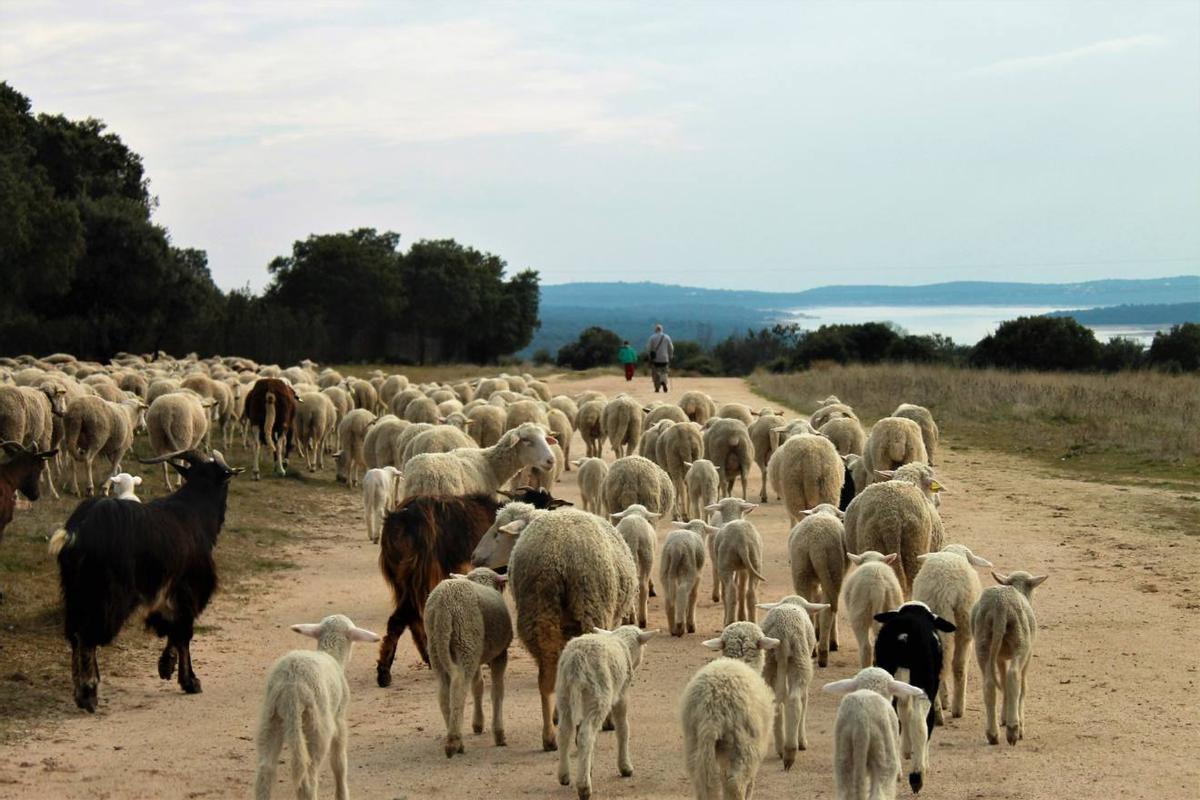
(749, 144)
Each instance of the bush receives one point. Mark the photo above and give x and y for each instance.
(542, 357)
(1178, 349)
(1041, 343)
(595, 347)
(1120, 353)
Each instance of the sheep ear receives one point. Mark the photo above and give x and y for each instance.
(813, 608)
(688, 464)
(886, 616)
(923, 556)
(979, 561)
(653, 514)
(1037, 580)
(1001, 578)
(935, 487)
(767, 643)
(711, 528)
(578, 462)
(713, 507)
(769, 606)
(714, 644)
(515, 527)
(748, 508)
(558, 503)
(362, 635)
(808, 512)
(944, 625)
(839, 513)
(890, 558)
(646, 636)
(779, 430)
(457, 576)
(886, 473)
(312, 629)
(857, 559)
(907, 690)
(601, 630)
(551, 440)
(844, 686)
(137, 481)
(500, 580)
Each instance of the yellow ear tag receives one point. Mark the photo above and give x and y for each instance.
(934, 486)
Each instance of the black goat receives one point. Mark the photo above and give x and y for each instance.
(21, 471)
(908, 647)
(114, 556)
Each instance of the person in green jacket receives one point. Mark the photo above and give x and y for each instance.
(628, 356)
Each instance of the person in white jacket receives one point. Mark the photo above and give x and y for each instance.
(660, 348)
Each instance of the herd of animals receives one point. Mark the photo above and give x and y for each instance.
(457, 484)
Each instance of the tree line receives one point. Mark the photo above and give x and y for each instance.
(1035, 343)
(85, 269)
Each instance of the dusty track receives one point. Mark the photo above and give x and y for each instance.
(1111, 710)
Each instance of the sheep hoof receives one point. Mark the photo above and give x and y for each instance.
(1012, 733)
(383, 676)
(499, 738)
(477, 727)
(254, 475)
(833, 647)
(915, 780)
(789, 758)
(993, 738)
(691, 628)
(822, 660)
(585, 792)
(564, 779)
(549, 745)
(626, 772)
(608, 725)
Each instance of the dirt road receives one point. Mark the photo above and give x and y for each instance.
(1112, 708)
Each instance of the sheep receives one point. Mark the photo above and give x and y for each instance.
(567, 406)
(316, 417)
(622, 424)
(538, 477)
(468, 626)
(422, 409)
(352, 431)
(871, 589)
(589, 395)
(306, 702)
(762, 436)
(486, 424)
(737, 554)
(562, 429)
(590, 476)
(788, 670)
(381, 495)
(738, 411)
(648, 444)
(595, 672)
(541, 389)
(806, 472)
(123, 486)
(570, 572)
(949, 586)
(590, 424)
(176, 423)
(727, 444)
(893, 442)
(636, 526)
(381, 444)
(817, 556)
(96, 427)
(470, 470)
(678, 448)
(929, 428)
(664, 411)
(847, 435)
(392, 385)
(679, 570)
(342, 405)
(726, 712)
(703, 485)
(830, 410)
(488, 386)
(400, 402)
(1005, 628)
(698, 406)
(866, 743)
(437, 439)
(897, 516)
(634, 479)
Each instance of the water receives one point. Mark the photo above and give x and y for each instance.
(963, 324)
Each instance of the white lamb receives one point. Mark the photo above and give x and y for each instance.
(306, 701)
(636, 526)
(702, 484)
(680, 566)
(789, 669)
(871, 589)
(381, 494)
(595, 672)
(866, 735)
(591, 475)
(122, 485)
(738, 556)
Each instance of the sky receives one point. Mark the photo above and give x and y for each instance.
(755, 145)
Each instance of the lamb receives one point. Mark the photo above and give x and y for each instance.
(908, 646)
(678, 448)
(316, 418)
(698, 406)
(595, 672)
(634, 479)
(622, 424)
(381, 495)
(636, 526)
(176, 423)
(352, 431)
(948, 585)
(847, 435)
(929, 428)
(788, 670)
(570, 572)
(738, 555)
(679, 571)
(897, 516)
(726, 713)
(703, 485)
(486, 424)
(591, 475)
(590, 424)
(469, 470)
(123, 486)
(866, 744)
(806, 471)
(764, 441)
(727, 444)
(817, 555)
(738, 411)
(894, 442)
(871, 589)
(468, 625)
(1005, 628)
(306, 702)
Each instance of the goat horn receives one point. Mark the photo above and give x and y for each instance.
(190, 456)
(10, 446)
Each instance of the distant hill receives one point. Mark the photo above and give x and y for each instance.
(1131, 314)
(709, 315)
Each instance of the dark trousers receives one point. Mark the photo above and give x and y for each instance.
(629, 369)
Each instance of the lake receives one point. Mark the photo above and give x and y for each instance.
(963, 324)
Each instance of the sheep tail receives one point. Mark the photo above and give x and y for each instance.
(702, 760)
(752, 558)
(60, 540)
(292, 717)
(999, 627)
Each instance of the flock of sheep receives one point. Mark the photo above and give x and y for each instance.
(867, 540)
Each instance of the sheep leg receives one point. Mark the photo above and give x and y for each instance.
(498, 666)
(762, 495)
(340, 762)
(671, 593)
(916, 733)
(458, 698)
(825, 620)
(693, 599)
(802, 723)
(866, 652)
(643, 602)
(1013, 678)
(989, 702)
(621, 718)
(773, 676)
(586, 744)
(477, 692)
(547, 673)
(308, 788)
(443, 685)
(91, 475)
(75, 476)
(730, 597)
(716, 585)
(743, 578)
(566, 728)
(270, 743)
(743, 474)
(792, 728)
(752, 598)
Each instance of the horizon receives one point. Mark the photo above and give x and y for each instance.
(795, 147)
(879, 285)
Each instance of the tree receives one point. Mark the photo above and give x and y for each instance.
(1119, 353)
(1177, 349)
(595, 347)
(1042, 343)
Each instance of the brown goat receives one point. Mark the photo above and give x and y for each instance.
(271, 408)
(20, 472)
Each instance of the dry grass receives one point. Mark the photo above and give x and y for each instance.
(1129, 426)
